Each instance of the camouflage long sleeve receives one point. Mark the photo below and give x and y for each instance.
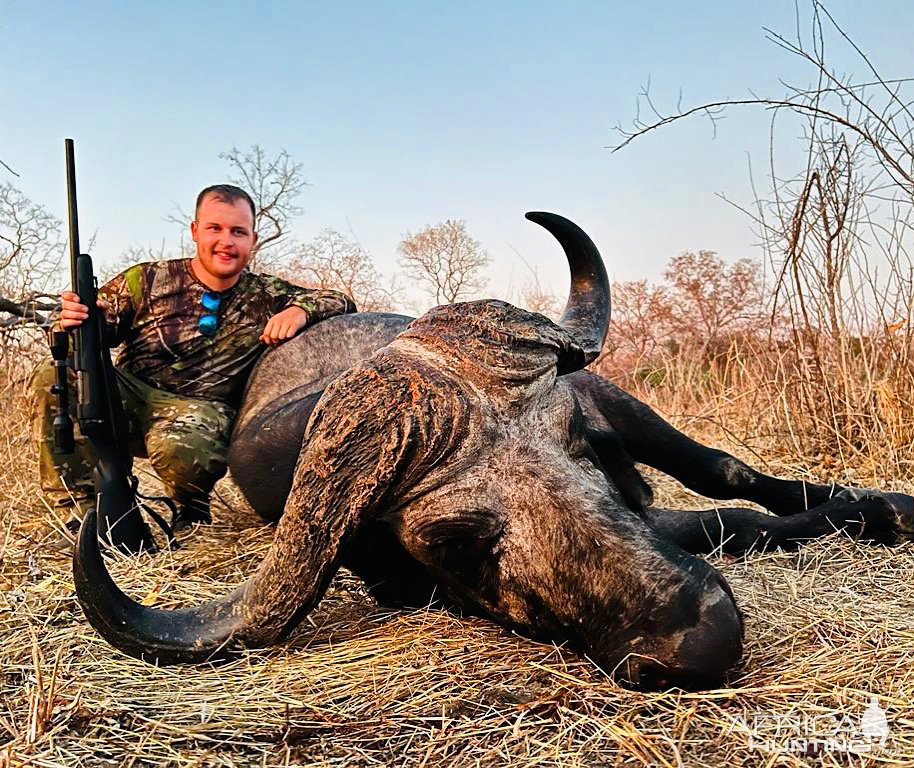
(121, 308)
(123, 293)
(319, 303)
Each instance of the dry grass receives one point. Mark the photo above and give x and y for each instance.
(754, 396)
(826, 627)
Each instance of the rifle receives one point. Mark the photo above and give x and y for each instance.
(99, 409)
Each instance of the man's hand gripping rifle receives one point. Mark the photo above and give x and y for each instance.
(99, 410)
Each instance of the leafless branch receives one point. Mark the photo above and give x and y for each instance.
(31, 246)
(9, 169)
(275, 183)
(34, 310)
(884, 124)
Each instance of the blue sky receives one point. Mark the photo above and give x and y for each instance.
(405, 114)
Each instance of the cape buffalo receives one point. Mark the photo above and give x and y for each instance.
(469, 455)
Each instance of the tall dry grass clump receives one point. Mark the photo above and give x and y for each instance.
(20, 500)
(832, 400)
(831, 406)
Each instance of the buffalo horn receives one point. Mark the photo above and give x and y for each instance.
(587, 311)
(158, 636)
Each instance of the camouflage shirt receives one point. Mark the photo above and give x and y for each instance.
(155, 313)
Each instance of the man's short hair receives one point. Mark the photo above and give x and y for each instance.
(227, 193)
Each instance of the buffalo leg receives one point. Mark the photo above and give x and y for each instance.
(885, 518)
(648, 439)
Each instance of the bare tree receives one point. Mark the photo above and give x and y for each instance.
(710, 300)
(872, 109)
(641, 329)
(838, 233)
(446, 260)
(537, 299)
(275, 183)
(31, 250)
(331, 260)
(533, 296)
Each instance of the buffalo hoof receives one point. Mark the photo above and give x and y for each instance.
(888, 517)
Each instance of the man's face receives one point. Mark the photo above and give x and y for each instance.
(224, 234)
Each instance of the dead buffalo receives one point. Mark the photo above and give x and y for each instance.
(467, 454)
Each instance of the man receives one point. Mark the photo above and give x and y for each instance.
(192, 330)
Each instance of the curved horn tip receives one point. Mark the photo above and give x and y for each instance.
(567, 233)
(588, 308)
(86, 540)
(544, 217)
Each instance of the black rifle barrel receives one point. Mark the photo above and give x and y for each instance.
(71, 209)
(88, 337)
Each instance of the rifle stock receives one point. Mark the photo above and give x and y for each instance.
(99, 409)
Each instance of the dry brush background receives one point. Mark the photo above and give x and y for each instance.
(811, 377)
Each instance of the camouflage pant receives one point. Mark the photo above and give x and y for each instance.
(185, 439)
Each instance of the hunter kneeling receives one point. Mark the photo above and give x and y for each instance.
(191, 331)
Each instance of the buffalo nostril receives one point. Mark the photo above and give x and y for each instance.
(710, 648)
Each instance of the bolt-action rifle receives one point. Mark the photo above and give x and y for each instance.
(99, 409)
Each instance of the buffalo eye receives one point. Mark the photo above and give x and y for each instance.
(463, 544)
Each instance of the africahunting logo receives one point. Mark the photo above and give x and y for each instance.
(815, 733)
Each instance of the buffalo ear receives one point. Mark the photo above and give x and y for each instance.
(459, 547)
